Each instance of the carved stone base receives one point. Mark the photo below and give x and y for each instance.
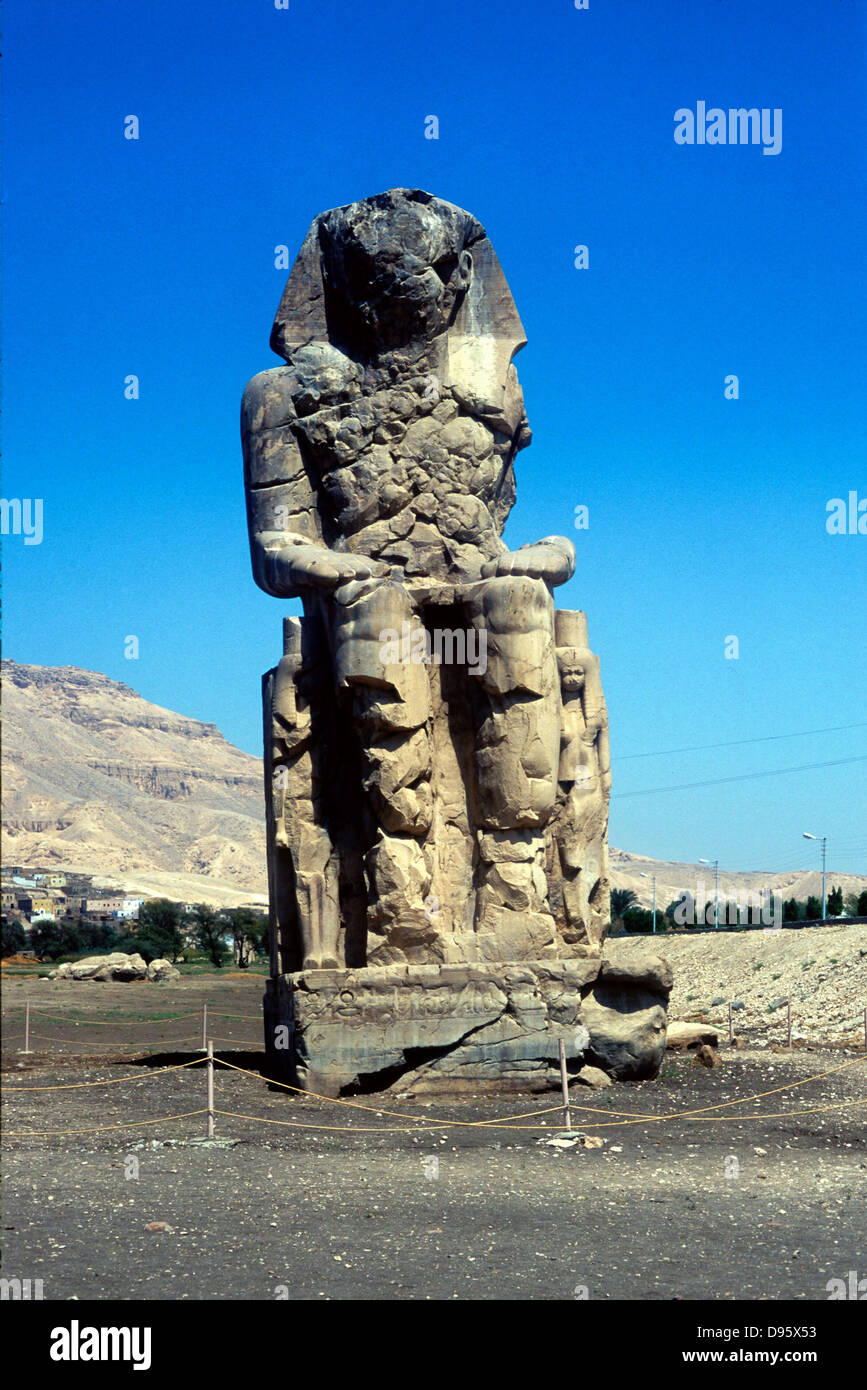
(441, 1028)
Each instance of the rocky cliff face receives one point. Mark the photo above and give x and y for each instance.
(97, 779)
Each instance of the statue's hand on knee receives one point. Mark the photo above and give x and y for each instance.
(551, 559)
(294, 568)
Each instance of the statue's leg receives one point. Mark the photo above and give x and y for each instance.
(516, 759)
(303, 867)
(377, 634)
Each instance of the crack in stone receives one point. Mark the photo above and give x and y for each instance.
(415, 1058)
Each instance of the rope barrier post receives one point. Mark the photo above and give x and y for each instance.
(210, 1069)
(789, 1026)
(731, 1025)
(27, 1027)
(204, 1027)
(564, 1084)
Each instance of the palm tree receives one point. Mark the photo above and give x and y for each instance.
(622, 899)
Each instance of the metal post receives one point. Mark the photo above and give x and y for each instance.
(789, 1027)
(824, 895)
(654, 902)
(731, 1026)
(204, 1026)
(210, 1070)
(564, 1084)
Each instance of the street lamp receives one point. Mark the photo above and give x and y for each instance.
(715, 863)
(824, 840)
(653, 877)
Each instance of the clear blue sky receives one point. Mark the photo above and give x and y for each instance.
(707, 516)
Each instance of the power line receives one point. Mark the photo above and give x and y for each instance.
(742, 777)
(738, 742)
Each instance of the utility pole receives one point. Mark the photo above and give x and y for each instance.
(824, 842)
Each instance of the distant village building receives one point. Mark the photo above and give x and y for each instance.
(112, 906)
(40, 903)
(75, 903)
(106, 906)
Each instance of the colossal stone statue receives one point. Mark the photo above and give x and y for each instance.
(436, 738)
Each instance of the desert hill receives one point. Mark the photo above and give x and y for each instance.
(97, 779)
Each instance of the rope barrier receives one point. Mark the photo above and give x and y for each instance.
(81, 1042)
(248, 1042)
(629, 1116)
(424, 1124)
(251, 1018)
(97, 1129)
(117, 1023)
(534, 1129)
(113, 1081)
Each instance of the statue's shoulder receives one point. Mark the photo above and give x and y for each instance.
(318, 375)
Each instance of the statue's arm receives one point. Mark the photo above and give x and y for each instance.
(287, 544)
(551, 559)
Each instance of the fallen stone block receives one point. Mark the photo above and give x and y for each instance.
(687, 1035)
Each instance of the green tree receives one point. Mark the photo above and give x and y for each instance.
(249, 931)
(51, 940)
(638, 919)
(157, 933)
(791, 910)
(622, 899)
(14, 939)
(208, 933)
(835, 902)
(862, 904)
(813, 910)
(97, 936)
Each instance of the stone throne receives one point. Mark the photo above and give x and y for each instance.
(436, 737)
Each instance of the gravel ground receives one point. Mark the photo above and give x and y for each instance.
(823, 970)
(398, 1208)
(750, 1208)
